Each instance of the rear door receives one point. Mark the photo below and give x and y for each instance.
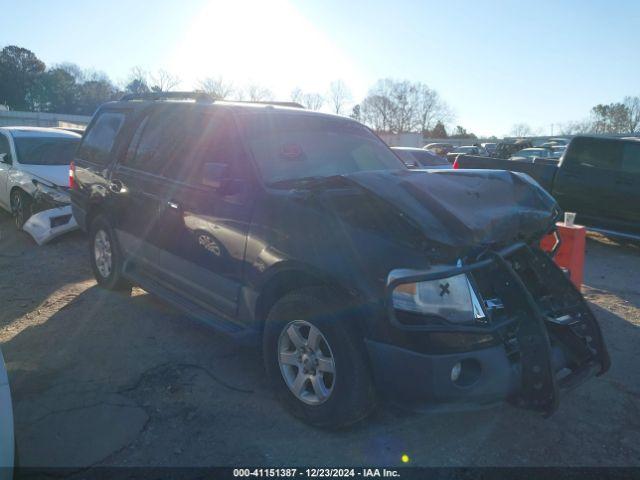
(586, 180)
(138, 187)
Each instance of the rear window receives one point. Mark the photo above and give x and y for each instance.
(45, 150)
(595, 153)
(99, 139)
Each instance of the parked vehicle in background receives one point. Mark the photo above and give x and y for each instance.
(489, 147)
(34, 171)
(465, 150)
(439, 148)
(304, 232)
(416, 158)
(557, 151)
(597, 177)
(529, 154)
(506, 149)
(7, 442)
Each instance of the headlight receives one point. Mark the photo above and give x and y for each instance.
(51, 192)
(452, 298)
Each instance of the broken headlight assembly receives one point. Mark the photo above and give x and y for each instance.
(452, 299)
(50, 193)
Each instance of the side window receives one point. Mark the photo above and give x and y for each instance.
(98, 141)
(213, 145)
(159, 141)
(631, 157)
(5, 148)
(595, 153)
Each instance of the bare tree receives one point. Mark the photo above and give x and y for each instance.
(312, 101)
(576, 127)
(521, 130)
(163, 81)
(297, 95)
(217, 87)
(403, 106)
(256, 93)
(633, 107)
(339, 96)
(137, 81)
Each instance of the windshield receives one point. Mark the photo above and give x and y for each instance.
(294, 146)
(45, 150)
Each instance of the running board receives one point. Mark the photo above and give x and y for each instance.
(202, 315)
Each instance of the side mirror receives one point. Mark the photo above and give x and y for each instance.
(5, 158)
(215, 174)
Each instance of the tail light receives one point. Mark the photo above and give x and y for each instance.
(456, 165)
(72, 175)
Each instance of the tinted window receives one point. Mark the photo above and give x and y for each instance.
(292, 146)
(595, 153)
(176, 142)
(631, 157)
(99, 140)
(45, 150)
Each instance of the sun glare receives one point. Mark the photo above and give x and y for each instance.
(267, 43)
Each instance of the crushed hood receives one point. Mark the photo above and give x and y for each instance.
(463, 208)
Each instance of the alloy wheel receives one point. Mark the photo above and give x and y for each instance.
(102, 253)
(306, 362)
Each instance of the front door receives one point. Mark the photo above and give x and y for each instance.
(208, 211)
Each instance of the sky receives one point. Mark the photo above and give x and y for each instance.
(495, 62)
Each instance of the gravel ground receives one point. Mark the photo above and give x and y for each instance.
(100, 378)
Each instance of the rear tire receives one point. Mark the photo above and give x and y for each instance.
(21, 207)
(322, 377)
(106, 257)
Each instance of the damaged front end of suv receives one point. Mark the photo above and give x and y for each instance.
(496, 321)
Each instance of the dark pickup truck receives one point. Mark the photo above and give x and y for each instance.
(598, 178)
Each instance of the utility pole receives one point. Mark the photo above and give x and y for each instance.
(552, 129)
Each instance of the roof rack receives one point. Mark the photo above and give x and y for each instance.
(199, 97)
(267, 102)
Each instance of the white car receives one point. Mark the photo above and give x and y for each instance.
(34, 176)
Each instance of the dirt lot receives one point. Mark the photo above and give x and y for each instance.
(105, 379)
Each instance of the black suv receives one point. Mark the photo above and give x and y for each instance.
(360, 278)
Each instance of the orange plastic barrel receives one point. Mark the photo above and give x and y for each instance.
(570, 255)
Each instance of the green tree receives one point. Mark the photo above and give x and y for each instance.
(439, 131)
(53, 91)
(19, 69)
(93, 93)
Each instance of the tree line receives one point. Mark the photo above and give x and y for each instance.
(398, 106)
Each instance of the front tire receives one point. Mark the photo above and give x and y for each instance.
(316, 360)
(106, 257)
(21, 207)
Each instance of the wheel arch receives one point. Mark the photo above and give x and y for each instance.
(296, 278)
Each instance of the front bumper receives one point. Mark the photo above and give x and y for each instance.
(554, 341)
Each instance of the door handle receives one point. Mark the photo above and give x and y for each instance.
(173, 205)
